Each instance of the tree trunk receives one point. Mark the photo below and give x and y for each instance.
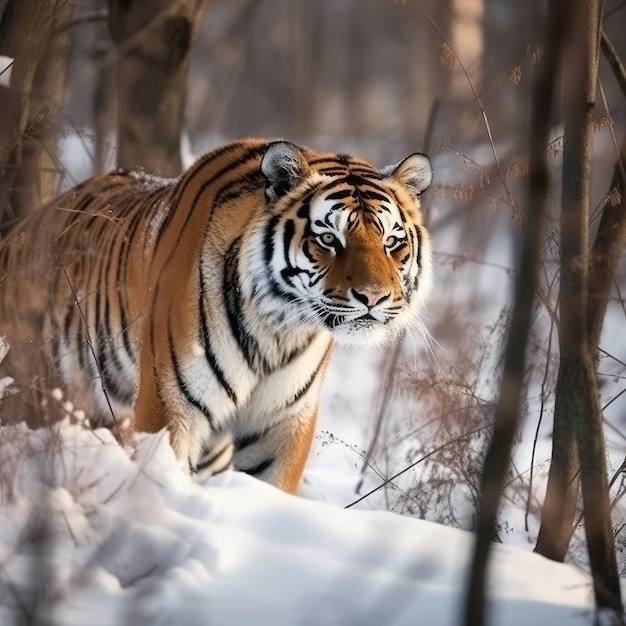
(560, 504)
(31, 32)
(577, 393)
(154, 42)
(557, 524)
(611, 236)
(509, 401)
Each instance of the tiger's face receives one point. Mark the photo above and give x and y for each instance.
(345, 247)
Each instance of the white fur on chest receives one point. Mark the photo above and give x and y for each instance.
(272, 400)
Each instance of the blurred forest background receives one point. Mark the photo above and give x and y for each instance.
(382, 79)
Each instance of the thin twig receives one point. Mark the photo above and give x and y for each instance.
(614, 61)
(544, 383)
(482, 108)
(89, 341)
(620, 470)
(420, 460)
(7, 67)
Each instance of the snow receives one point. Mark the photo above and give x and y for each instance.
(131, 539)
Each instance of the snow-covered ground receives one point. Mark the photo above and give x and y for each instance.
(90, 535)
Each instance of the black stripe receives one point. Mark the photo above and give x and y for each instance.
(374, 220)
(418, 234)
(268, 239)
(104, 281)
(235, 188)
(257, 469)
(139, 217)
(83, 352)
(213, 456)
(248, 440)
(155, 371)
(339, 195)
(179, 188)
(368, 194)
(208, 352)
(332, 171)
(114, 357)
(176, 191)
(248, 155)
(56, 348)
(393, 194)
(85, 356)
(120, 282)
(367, 173)
(312, 378)
(290, 271)
(288, 234)
(182, 386)
(418, 255)
(307, 252)
(110, 385)
(67, 322)
(234, 310)
(296, 353)
(355, 180)
(332, 158)
(79, 211)
(95, 322)
(277, 291)
(102, 367)
(160, 200)
(121, 287)
(303, 211)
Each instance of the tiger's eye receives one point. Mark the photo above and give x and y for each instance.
(328, 239)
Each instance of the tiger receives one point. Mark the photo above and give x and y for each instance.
(208, 305)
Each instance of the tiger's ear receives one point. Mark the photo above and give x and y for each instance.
(283, 166)
(415, 173)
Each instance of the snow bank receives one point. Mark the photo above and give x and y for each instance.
(90, 534)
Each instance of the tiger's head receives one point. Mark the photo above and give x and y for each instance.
(344, 247)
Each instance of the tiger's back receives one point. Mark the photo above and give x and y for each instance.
(208, 303)
(57, 291)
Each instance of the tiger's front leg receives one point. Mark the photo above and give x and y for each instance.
(279, 453)
(203, 445)
(200, 450)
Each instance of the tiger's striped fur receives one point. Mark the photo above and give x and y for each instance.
(208, 303)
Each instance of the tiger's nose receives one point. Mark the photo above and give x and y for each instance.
(370, 297)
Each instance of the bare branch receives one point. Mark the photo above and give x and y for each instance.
(614, 61)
